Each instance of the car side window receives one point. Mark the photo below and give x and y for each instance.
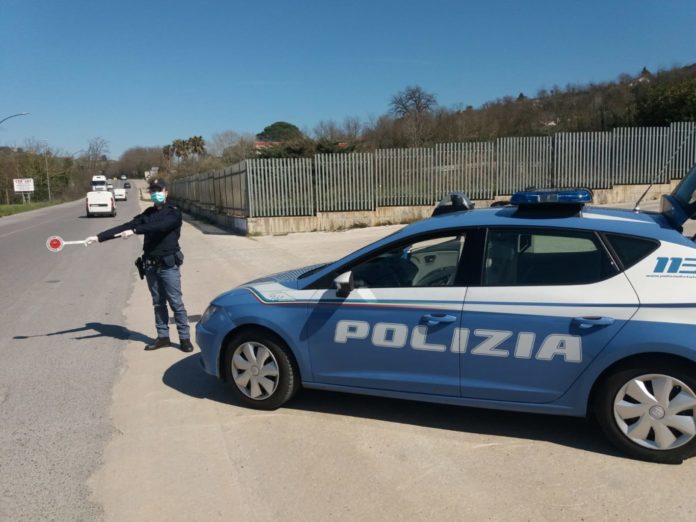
(516, 257)
(426, 263)
(631, 249)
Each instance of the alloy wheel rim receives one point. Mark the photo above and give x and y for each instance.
(656, 411)
(255, 370)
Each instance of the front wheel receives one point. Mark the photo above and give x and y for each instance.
(649, 411)
(260, 370)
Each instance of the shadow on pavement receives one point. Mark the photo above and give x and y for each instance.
(205, 226)
(93, 330)
(187, 376)
(115, 331)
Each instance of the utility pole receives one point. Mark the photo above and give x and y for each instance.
(48, 177)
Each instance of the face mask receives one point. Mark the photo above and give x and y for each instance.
(158, 197)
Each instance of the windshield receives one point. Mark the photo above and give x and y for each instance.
(686, 190)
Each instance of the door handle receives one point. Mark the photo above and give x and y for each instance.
(589, 322)
(433, 319)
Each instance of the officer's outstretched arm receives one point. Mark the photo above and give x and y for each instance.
(117, 231)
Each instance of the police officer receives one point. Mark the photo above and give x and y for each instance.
(161, 226)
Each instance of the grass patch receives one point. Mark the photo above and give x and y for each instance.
(8, 210)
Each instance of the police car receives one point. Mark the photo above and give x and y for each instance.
(544, 305)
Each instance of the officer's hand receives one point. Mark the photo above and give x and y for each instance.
(125, 234)
(90, 240)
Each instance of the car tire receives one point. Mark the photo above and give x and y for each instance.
(649, 411)
(250, 354)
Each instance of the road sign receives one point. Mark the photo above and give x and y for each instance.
(23, 185)
(56, 243)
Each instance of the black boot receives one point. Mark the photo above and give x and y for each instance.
(186, 345)
(161, 342)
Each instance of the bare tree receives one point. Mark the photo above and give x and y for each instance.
(413, 107)
(412, 100)
(243, 149)
(96, 155)
(327, 130)
(352, 128)
(221, 140)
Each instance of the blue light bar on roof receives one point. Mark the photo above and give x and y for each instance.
(552, 196)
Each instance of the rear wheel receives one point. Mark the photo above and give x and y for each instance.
(649, 411)
(260, 370)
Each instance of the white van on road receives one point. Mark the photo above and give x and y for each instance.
(100, 203)
(99, 183)
(120, 194)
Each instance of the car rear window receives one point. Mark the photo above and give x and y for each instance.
(631, 249)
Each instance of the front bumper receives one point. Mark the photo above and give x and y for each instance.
(210, 350)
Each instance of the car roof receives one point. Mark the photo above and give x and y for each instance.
(650, 225)
(620, 221)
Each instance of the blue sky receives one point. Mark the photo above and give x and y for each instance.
(142, 73)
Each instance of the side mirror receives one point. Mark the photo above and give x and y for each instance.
(344, 284)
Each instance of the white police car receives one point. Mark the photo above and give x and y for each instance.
(540, 306)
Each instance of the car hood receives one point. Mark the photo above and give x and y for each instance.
(287, 278)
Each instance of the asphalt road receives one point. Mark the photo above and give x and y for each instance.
(60, 353)
(84, 411)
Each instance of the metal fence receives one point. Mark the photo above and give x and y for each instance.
(224, 191)
(281, 187)
(523, 162)
(467, 167)
(344, 182)
(583, 159)
(407, 177)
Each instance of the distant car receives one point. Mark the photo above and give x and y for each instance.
(120, 194)
(124, 177)
(109, 186)
(126, 185)
(544, 305)
(100, 203)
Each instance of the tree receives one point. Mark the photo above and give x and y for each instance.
(280, 131)
(412, 100)
(181, 149)
(328, 131)
(168, 152)
(136, 160)
(196, 145)
(222, 140)
(96, 155)
(413, 107)
(662, 103)
(243, 149)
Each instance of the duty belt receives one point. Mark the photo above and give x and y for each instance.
(152, 261)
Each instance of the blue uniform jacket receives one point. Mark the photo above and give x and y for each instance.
(160, 226)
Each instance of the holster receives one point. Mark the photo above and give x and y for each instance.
(140, 265)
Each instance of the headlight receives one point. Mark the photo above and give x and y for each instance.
(209, 312)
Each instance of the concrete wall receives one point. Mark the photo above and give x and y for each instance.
(331, 221)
